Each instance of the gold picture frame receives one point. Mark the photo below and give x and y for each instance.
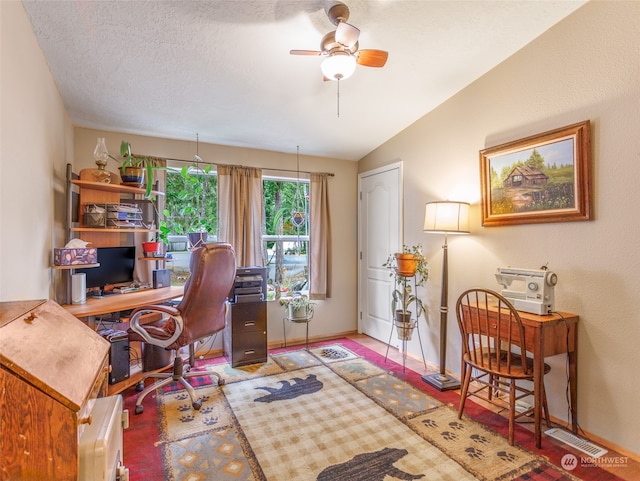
(542, 178)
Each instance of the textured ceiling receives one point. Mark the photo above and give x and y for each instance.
(222, 69)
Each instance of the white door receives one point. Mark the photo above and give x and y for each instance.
(379, 234)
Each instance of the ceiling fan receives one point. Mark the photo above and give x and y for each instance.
(340, 48)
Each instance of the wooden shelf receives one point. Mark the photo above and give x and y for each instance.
(116, 188)
(111, 230)
(76, 266)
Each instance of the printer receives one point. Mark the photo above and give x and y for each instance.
(250, 285)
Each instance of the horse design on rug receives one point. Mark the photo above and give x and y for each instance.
(369, 467)
(290, 390)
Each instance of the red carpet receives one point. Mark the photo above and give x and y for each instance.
(143, 454)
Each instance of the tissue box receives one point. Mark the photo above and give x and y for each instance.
(72, 257)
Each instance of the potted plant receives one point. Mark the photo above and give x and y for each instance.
(151, 248)
(298, 307)
(135, 171)
(409, 270)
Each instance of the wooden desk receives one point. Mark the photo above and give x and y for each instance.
(52, 368)
(547, 336)
(123, 302)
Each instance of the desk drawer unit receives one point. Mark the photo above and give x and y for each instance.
(245, 337)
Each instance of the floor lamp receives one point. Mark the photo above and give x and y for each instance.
(445, 218)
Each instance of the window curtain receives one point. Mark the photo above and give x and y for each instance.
(240, 207)
(319, 237)
(143, 270)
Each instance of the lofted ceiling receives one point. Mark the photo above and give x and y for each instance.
(221, 69)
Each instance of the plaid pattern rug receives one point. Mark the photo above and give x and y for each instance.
(329, 414)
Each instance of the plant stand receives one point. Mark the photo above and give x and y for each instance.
(405, 336)
(297, 320)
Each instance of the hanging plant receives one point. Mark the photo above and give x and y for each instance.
(298, 216)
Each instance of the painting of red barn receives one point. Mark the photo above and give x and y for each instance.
(542, 178)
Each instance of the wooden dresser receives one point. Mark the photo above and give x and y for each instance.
(52, 368)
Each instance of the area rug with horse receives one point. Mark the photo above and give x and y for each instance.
(335, 412)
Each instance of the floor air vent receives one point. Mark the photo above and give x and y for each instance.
(576, 442)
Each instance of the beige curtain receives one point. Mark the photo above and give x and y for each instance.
(320, 237)
(240, 207)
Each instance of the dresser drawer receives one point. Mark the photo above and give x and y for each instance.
(249, 317)
(249, 347)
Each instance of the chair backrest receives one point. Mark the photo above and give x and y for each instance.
(204, 303)
(493, 336)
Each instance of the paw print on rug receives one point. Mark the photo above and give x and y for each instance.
(330, 353)
(449, 436)
(186, 419)
(183, 407)
(456, 425)
(429, 423)
(210, 421)
(474, 453)
(479, 439)
(505, 456)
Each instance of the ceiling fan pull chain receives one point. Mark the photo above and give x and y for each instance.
(338, 98)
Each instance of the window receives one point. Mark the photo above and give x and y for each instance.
(191, 200)
(191, 205)
(286, 234)
(285, 228)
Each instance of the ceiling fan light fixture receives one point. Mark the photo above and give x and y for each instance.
(339, 66)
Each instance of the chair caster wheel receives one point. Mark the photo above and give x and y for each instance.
(139, 409)
(140, 386)
(197, 405)
(221, 382)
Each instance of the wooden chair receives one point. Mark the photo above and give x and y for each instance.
(203, 311)
(494, 361)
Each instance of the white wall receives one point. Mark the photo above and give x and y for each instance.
(36, 142)
(586, 67)
(333, 316)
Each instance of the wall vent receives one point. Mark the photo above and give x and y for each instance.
(576, 442)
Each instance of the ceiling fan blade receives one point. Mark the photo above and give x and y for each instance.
(305, 52)
(347, 34)
(372, 58)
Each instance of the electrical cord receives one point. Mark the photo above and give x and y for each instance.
(570, 418)
(211, 339)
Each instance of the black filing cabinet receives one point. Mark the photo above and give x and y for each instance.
(245, 337)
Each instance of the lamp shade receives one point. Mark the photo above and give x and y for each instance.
(445, 216)
(339, 66)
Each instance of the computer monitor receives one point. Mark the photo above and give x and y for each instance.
(116, 267)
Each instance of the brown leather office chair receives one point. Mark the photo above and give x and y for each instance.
(203, 311)
(494, 355)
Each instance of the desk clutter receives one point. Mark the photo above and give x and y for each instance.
(112, 215)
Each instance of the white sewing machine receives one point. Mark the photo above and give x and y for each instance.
(529, 290)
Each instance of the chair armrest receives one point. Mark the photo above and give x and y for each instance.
(146, 331)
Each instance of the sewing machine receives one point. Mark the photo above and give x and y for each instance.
(529, 290)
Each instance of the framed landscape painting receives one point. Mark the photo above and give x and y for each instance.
(542, 178)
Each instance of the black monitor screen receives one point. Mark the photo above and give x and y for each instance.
(116, 267)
